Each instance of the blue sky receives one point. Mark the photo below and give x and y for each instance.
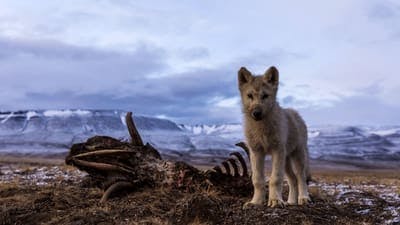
(338, 60)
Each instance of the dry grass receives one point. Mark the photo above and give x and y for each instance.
(32, 160)
(66, 201)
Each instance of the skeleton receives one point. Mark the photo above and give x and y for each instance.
(115, 165)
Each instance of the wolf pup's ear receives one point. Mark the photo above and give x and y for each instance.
(272, 75)
(244, 76)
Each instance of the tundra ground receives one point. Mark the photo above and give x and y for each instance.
(48, 192)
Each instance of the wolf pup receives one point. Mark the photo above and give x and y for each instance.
(270, 129)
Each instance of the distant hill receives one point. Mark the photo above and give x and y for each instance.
(54, 131)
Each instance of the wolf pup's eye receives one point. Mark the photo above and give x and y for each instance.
(264, 96)
(250, 96)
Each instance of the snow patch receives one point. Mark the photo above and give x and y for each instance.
(66, 113)
(122, 117)
(386, 132)
(395, 212)
(30, 114)
(39, 175)
(7, 117)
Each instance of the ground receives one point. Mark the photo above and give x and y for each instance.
(48, 192)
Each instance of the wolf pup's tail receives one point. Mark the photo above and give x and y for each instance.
(309, 178)
(308, 174)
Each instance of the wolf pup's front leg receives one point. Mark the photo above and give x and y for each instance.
(258, 178)
(276, 180)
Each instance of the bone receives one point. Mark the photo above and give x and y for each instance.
(227, 168)
(115, 187)
(245, 148)
(100, 166)
(135, 136)
(234, 166)
(103, 152)
(242, 163)
(217, 169)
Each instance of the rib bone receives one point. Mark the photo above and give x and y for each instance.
(103, 152)
(227, 168)
(245, 148)
(115, 187)
(217, 169)
(242, 162)
(234, 166)
(100, 166)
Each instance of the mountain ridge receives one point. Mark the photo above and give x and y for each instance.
(56, 130)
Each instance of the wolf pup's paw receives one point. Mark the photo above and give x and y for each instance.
(291, 202)
(276, 203)
(304, 200)
(250, 204)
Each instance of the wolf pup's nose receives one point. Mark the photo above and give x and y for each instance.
(256, 114)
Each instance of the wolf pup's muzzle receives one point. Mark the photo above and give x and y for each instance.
(256, 114)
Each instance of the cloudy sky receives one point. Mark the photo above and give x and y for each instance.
(339, 61)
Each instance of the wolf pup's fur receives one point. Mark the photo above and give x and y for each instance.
(270, 129)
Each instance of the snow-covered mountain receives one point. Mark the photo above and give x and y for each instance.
(54, 131)
(334, 143)
(212, 129)
(340, 143)
(57, 130)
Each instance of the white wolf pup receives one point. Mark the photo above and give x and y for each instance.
(270, 129)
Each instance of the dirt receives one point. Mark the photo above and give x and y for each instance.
(49, 198)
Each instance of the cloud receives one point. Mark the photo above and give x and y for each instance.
(180, 59)
(194, 53)
(354, 110)
(384, 10)
(48, 68)
(387, 15)
(51, 50)
(260, 60)
(50, 63)
(58, 75)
